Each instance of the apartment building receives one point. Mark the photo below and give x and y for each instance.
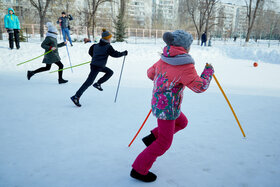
(241, 20)
(140, 13)
(233, 18)
(165, 12)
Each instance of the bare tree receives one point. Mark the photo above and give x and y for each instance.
(199, 22)
(42, 10)
(201, 12)
(88, 12)
(1, 9)
(210, 16)
(252, 9)
(57, 6)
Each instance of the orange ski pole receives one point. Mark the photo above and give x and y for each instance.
(229, 104)
(140, 128)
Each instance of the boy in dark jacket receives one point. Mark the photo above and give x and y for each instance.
(50, 43)
(99, 53)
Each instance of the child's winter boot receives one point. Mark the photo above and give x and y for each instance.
(97, 86)
(62, 81)
(29, 74)
(148, 140)
(150, 177)
(75, 100)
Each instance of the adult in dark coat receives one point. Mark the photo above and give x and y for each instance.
(64, 23)
(12, 26)
(203, 39)
(99, 53)
(50, 43)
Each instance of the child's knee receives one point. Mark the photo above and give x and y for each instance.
(111, 72)
(164, 145)
(48, 67)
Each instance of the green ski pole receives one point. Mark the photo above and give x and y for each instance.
(71, 67)
(34, 58)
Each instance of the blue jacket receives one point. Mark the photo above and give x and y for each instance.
(64, 21)
(11, 20)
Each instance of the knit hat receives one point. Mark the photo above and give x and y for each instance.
(51, 28)
(178, 38)
(106, 34)
(63, 12)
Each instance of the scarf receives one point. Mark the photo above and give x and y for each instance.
(178, 60)
(52, 34)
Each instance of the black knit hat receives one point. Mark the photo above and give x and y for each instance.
(63, 13)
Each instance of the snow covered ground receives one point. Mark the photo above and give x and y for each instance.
(46, 141)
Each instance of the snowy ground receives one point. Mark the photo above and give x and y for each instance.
(45, 141)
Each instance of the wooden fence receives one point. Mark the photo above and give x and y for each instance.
(33, 30)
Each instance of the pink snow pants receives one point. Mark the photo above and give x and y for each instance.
(164, 136)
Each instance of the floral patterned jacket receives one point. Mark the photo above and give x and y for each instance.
(170, 75)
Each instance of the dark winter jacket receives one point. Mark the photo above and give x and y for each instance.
(203, 37)
(101, 51)
(64, 21)
(53, 56)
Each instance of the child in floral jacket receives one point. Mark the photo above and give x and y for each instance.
(171, 74)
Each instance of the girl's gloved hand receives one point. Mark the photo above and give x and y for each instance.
(207, 66)
(208, 70)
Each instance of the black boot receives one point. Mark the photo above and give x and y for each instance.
(62, 81)
(75, 100)
(150, 177)
(97, 86)
(29, 74)
(148, 140)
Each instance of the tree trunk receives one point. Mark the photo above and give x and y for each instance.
(93, 27)
(198, 38)
(42, 21)
(67, 7)
(88, 34)
(1, 33)
(252, 14)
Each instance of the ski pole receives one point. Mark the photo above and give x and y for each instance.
(229, 104)
(140, 128)
(69, 58)
(71, 67)
(34, 58)
(119, 80)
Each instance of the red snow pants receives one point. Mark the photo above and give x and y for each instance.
(164, 136)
